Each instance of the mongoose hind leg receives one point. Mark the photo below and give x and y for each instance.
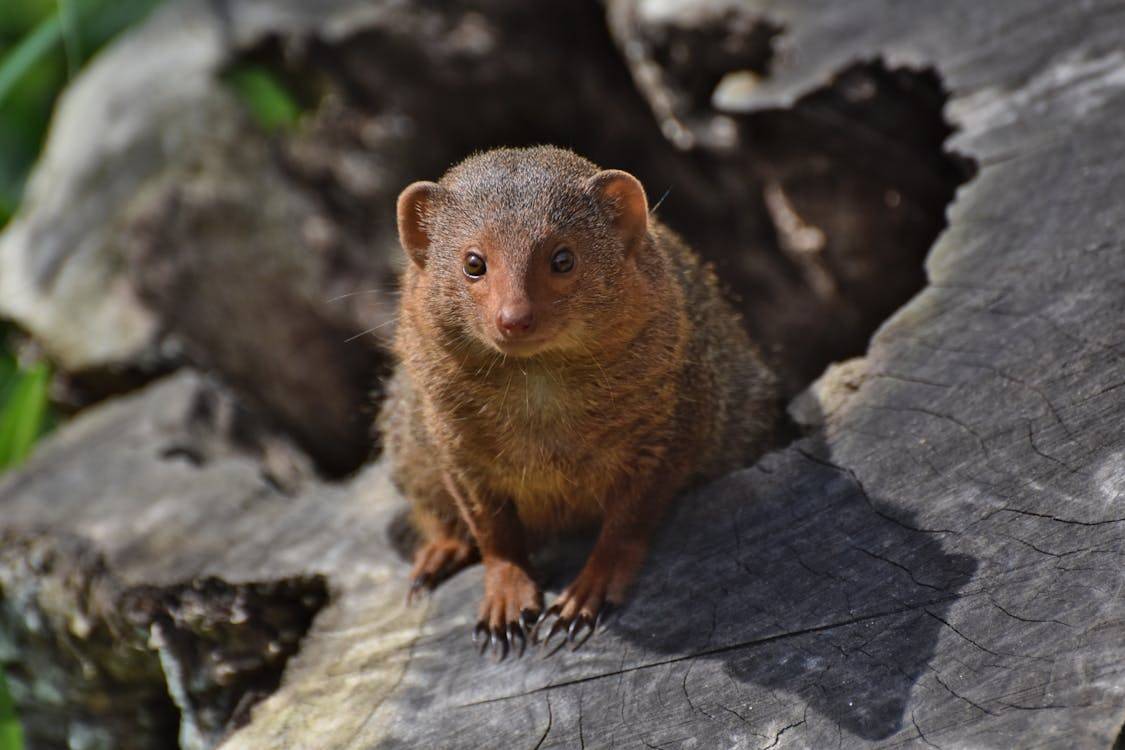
(446, 549)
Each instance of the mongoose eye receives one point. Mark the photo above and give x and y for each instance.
(562, 261)
(474, 266)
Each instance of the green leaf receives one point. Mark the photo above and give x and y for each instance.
(6, 209)
(72, 42)
(43, 43)
(22, 414)
(29, 51)
(21, 15)
(11, 736)
(271, 104)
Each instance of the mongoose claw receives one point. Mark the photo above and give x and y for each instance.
(552, 610)
(423, 582)
(542, 618)
(576, 629)
(529, 619)
(580, 631)
(605, 615)
(511, 602)
(546, 652)
(499, 645)
(436, 561)
(480, 636)
(558, 626)
(515, 633)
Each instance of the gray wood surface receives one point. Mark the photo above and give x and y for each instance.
(937, 563)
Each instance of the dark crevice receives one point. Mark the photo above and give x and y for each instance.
(110, 686)
(694, 61)
(857, 181)
(223, 647)
(136, 666)
(72, 392)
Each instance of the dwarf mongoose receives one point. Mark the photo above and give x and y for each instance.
(564, 361)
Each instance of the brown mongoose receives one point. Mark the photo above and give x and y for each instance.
(564, 361)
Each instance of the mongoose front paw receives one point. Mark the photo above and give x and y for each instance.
(437, 560)
(583, 607)
(512, 602)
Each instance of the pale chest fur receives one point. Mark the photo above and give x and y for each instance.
(549, 442)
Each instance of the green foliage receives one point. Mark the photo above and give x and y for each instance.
(11, 737)
(43, 44)
(264, 94)
(23, 409)
(23, 418)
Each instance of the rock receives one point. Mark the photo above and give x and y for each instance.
(114, 130)
(116, 631)
(144, 238)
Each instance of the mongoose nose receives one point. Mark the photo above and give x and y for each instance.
(515, 320)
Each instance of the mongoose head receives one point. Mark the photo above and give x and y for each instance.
(526, 251)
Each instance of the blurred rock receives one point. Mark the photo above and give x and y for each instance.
(119, 125)
(108, 640)
(159, 226)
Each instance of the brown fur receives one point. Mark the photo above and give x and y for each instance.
(646, 382)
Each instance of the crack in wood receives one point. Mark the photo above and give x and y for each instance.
(718, 650)
(550, 721)
(786, 728)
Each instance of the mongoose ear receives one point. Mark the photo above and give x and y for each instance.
(626, 197)
(414, 205)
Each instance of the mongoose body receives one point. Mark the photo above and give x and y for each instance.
(565, 361)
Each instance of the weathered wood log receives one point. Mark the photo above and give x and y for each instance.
(937, 562)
